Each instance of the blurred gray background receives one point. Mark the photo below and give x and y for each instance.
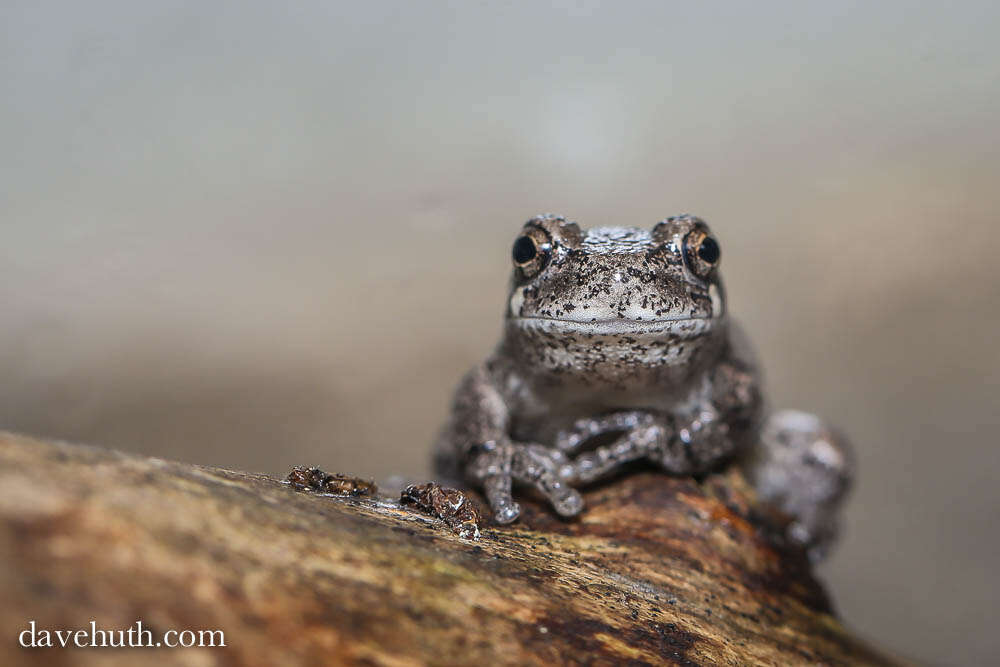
(256, 235)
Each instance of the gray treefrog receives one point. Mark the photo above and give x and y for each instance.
(617, 347)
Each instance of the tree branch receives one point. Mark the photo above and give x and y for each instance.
(657, 569)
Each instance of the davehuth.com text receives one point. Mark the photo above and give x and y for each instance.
(135, 636)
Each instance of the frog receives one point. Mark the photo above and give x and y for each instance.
(617, 351)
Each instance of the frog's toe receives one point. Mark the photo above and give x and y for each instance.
(507, 513)
(568, 503)
(498, 493)
(547, 471)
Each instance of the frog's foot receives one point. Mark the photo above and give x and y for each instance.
(645, 441)
(804, 468)
(583, 431)
(498, 465)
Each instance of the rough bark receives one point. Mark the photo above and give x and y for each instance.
(658, 570)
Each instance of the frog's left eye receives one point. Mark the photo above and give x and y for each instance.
(524, 250)
(701, 252)
(531, 251)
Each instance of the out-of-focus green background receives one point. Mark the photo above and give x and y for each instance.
(263, 234)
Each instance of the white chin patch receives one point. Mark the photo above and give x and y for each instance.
(713, 294)
(516, 301)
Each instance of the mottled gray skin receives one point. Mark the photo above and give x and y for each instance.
(616, 348)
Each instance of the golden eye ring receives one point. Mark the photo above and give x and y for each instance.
(531, 251)
(701, 252)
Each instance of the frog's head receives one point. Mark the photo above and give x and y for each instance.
(629, 296)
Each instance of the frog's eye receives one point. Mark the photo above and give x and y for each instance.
(524, 250)
(531, 250)
(709, 250)
(701, 252)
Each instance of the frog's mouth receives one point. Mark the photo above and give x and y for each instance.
(685, 327)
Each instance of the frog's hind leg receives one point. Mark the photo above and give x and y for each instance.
(804, 468)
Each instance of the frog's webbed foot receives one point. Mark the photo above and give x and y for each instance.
(498, 465)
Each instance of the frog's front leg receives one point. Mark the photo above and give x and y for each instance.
(713, 425)
(642, 433)
(479, 435)
(584, 430)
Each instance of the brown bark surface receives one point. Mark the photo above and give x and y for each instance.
(657, 570)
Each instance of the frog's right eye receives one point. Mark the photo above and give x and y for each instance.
(531, 251)
(524, 250)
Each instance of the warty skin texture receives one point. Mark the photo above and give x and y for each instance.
(617, 347)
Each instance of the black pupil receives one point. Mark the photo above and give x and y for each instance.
(524, 250)
(709, 250)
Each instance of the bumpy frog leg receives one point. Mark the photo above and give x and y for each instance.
(804, 468)
(583, 430)
(647, 437)
(690, 441)
(478, 434)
